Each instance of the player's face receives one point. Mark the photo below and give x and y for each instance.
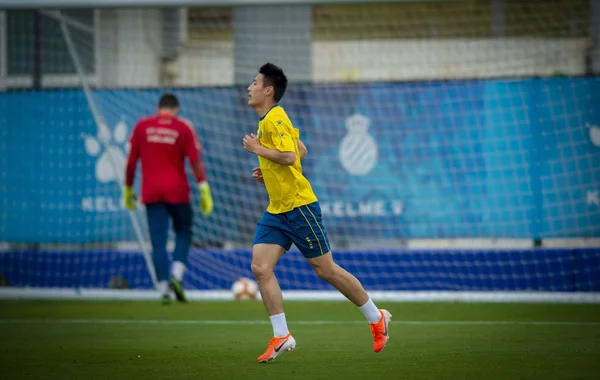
(256, 92)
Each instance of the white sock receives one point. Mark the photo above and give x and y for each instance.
(280, 328)
(371, 311)
(177, 270)
(163, 288)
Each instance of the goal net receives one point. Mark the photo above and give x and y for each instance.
(453, 145)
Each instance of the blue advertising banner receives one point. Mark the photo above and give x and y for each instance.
(488, 158)
(553, 270)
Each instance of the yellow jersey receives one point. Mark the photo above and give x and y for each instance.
(286, 186)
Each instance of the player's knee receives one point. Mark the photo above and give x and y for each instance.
(325, 272)
(261, 270)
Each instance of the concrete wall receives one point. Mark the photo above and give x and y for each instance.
(130, 49)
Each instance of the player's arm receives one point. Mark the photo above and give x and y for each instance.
(284, 154)
(193, 150)
(129, 196)
(257, 173)
(302, 149)
(282, 158)
(134, 156)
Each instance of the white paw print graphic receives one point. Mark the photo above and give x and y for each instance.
(110, 147)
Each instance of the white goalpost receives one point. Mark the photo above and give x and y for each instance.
(454, 146)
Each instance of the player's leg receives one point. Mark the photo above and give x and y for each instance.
(158, 225)
(342, 280)
(270, 243)
(182, 216)
(264, 258)
(315, 248)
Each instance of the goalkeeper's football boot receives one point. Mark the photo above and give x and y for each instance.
(276, 347)
(166, 300)
(380, 330)
(177, 288)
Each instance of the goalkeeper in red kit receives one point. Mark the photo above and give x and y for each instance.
(162, 142)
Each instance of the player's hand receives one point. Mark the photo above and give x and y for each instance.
(257, 175)
(251, 143)
(129, 198)
(206, 201)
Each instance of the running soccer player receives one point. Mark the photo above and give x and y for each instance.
(162, 142)
(293, 215)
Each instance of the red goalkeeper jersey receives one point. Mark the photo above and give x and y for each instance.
(162, 142)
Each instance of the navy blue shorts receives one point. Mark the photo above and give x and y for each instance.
(301, 226)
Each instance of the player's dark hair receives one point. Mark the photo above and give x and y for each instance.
(168, 101)
(273, 76)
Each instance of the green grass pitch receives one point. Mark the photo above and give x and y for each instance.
(221, 340)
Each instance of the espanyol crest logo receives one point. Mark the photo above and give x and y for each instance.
(358, 150)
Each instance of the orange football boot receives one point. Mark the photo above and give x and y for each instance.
(276, 347)
(380, 330)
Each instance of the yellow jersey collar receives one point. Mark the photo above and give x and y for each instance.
(275, 105)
